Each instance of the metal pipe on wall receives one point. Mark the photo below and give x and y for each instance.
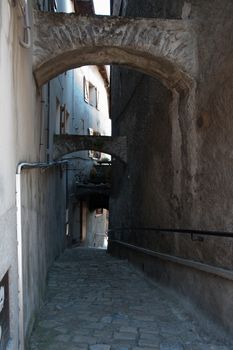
(20, 167)
(67, 203)
(175, 230)
(27, 27)
(210, 269)
(48, 122)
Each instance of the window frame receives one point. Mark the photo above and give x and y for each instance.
(91, 94)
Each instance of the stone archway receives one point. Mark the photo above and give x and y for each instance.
(164, 49)
(115, 146)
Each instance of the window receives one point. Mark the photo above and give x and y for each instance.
(64, 120)
(58, 113)
(86, 90)
(99, 212)
(98, 100)
(67, 117)
(52, 5)
(91, 94)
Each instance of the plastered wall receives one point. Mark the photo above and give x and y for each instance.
(20, 137)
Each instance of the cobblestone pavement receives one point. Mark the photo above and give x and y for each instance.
(97, 302)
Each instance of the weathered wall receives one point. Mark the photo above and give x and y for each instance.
(20, 138)
(179, 172)
(43, 225)
(65, 144)
(7, 169)
(163, 48)
(147, 151)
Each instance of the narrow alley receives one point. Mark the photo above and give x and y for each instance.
(116, 132)
(97, 302)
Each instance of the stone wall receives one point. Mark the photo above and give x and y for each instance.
(180, 152)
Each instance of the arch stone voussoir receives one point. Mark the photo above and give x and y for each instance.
(115, 146)
(165, 49)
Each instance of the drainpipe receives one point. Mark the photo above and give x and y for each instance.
(19, 169)
(48, 121)
(27, 28)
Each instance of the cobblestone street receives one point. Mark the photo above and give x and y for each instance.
(97, 302)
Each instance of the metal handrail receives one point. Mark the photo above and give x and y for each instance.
(222, 272)
(176, 230)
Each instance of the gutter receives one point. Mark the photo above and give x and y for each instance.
(26, 42)
(20, 167)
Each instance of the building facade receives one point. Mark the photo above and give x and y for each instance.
(40, 207)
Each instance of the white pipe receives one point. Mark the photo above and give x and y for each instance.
(19, 258)
(19, 169)
(27, 28)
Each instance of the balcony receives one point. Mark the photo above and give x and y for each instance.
(96, 189)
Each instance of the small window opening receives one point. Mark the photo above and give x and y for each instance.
(91, 94)
(99, 212)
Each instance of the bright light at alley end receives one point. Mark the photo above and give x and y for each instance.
(102, 7)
